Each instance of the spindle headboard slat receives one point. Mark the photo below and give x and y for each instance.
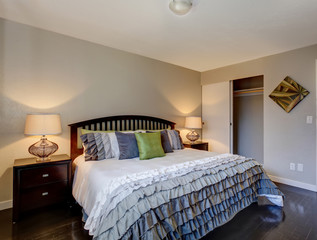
(118, 123)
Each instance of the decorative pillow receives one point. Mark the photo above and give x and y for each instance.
(128, 146)
(164, 141)
(114, 142)
(114, 145)
(97, 146)
(180, 139)
(175, 139)
(149, 145)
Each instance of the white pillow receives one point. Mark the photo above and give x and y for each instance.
(114, 145)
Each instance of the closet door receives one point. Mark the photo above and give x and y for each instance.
(216, 116)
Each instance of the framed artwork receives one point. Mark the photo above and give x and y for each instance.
(288, 94)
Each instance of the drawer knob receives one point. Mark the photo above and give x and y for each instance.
(45, 175)
(44, 193)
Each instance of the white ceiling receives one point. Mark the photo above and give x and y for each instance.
(215, 33)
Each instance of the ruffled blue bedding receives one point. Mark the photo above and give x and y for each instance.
(191, 205)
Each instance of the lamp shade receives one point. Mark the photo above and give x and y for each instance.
(42, 124)
(193, 122)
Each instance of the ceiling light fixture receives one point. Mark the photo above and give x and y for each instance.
(181, 7)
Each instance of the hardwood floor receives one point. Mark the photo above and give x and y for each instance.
(296, 221)
(59, 222)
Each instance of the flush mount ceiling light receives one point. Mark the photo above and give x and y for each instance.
(181, 7)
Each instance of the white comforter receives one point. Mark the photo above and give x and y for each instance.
(94, 180)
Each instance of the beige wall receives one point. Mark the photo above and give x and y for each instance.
(287, 137)
(41, 71)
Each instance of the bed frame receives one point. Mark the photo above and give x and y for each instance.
(115, 123)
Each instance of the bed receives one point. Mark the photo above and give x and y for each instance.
(184, 194)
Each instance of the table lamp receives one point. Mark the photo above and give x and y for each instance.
(193, 123)
(43, 124)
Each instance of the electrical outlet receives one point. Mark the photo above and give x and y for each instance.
(309, 119)
(292, 166)
(300, 167)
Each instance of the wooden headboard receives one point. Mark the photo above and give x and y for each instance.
(115, 123)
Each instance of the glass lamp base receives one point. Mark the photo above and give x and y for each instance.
(43, 149)
(192, 136)
(46, 159)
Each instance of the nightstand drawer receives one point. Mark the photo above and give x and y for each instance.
(197, 145)
(43, 175)
(44, 195)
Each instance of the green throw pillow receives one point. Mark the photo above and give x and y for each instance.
(149, 145)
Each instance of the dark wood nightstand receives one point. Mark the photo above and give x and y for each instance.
(39, 184)
(197, 145)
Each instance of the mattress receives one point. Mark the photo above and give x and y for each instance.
(129, 198)
(95, 177)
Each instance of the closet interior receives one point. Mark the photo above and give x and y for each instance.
(247, 117)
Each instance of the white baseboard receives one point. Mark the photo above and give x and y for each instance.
(293, 183)
(5, 205)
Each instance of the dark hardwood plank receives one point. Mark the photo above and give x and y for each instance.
(297, 220)
(59, 222)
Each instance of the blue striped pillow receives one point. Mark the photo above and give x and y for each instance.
(175, 139)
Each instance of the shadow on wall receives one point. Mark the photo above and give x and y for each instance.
(97, 102)
(33, 72)
(2, 25)
(6, 183)
(12, 115)
(82, 107)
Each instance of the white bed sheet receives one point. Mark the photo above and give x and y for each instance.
(91, 177)
(95, 180)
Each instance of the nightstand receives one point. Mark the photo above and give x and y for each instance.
(197, 145)
(39, 184)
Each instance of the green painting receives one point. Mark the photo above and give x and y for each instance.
(288, 94)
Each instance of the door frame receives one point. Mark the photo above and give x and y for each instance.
(231, 115)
